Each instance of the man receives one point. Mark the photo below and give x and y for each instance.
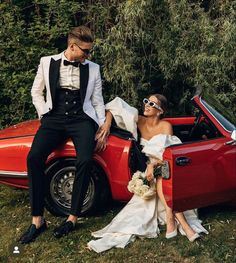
(72, 108)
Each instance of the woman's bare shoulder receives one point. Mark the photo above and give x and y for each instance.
(165, 123)
(166, 127)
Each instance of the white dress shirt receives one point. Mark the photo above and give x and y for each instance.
(69, 75)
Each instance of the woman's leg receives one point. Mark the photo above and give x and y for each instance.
(170, 218)
(170, 215)
(186, 227)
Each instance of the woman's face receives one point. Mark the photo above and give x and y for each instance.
(151, 107)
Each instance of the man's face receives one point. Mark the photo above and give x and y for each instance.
(81, 51)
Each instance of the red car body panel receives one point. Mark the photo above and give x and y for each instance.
(209, 178)
(16, 145)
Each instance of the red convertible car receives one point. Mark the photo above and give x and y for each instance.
(199, 172)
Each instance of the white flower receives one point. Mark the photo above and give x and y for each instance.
(138, 182)
(131, 186)
(138, 191)
(151, 192)
(136, 175)
(138, 186)
(144, 188)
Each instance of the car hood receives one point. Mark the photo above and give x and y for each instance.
(21, 129)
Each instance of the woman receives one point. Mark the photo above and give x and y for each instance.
(139, 217)
(150, 125)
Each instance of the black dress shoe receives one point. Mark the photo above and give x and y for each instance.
(32, 233)
(64, 229)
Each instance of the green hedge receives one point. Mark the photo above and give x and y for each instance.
(165, 46)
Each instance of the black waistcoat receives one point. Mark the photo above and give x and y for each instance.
(68, 103)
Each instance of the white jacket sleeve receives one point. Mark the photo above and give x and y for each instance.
(37, 91)
(97, 99)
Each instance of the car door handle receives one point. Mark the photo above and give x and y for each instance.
(182, 160)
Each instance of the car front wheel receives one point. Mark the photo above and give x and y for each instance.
(60, 177)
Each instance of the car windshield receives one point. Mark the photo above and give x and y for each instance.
(223, 115)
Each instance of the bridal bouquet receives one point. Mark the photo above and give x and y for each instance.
(140, 186)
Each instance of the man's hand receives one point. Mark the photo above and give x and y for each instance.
(103, 131)
(101, 145)
(101, 137)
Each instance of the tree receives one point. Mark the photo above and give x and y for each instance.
(165, 46)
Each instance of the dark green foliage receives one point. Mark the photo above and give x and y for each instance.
(143, 46)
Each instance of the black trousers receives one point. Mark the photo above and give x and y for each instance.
(54, 131)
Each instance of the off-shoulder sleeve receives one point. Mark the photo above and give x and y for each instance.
(126, 116)
(157, 144)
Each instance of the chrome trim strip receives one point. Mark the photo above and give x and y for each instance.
(13, 174)
(14, 137)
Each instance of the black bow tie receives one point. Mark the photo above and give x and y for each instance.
(75, 63)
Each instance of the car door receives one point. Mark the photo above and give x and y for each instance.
(200, 174)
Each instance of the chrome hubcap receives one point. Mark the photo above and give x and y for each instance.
(61, 188)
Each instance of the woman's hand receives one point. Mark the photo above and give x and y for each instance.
(156, 161)
(149, 172)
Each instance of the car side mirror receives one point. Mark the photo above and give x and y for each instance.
(233, 135)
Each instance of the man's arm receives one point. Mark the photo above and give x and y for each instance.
(37, 91)
(97, 99)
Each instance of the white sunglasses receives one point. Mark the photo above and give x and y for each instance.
(152, 104)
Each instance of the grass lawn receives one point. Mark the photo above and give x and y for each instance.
(218, 246)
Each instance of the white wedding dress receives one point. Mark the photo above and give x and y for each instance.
(140, 218)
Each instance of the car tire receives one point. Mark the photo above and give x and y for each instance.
(60, 177)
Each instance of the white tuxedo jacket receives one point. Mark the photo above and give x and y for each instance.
(90, 87)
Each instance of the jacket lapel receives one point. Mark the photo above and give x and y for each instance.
(54, 76)
(84, 76)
